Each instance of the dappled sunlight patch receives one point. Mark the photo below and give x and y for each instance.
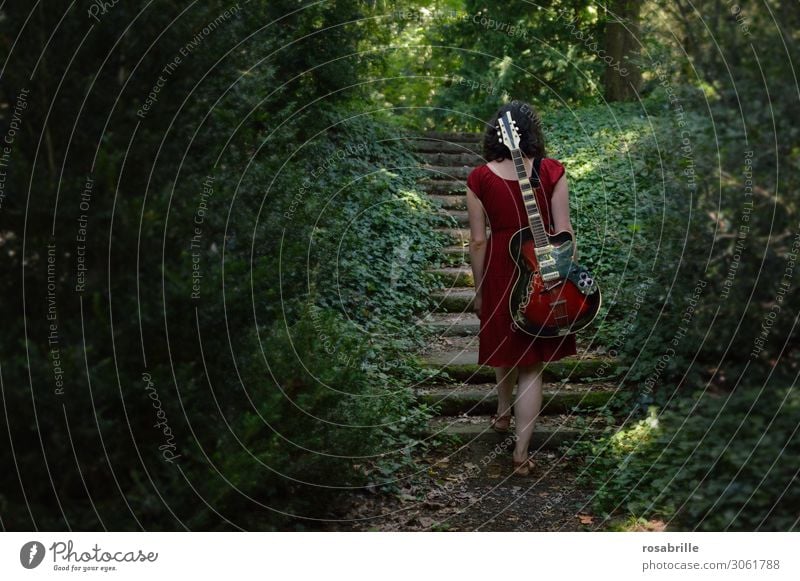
(641, 433)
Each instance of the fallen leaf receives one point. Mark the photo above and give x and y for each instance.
(586, 519)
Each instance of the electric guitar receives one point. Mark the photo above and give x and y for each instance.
(552, 295)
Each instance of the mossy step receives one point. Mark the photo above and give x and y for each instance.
(482, 399)
(454, 275)
(455, 299)
(451, 201)
(461, 250)
(549, 433)
(586, 346)
(452, 159)
(455, 218)
(442, 187)
(453, 260)
(423, 145)
(456, 235)
(454, 136)
(453, 324)
(448, 173)
(463, 366)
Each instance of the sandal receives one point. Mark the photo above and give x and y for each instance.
(501, 424)
(523, 468)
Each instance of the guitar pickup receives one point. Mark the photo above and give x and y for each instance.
(547, 262)
(553, 275)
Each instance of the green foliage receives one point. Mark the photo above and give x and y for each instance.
(515, 51)
(283, 380)
(317, 422)
(610, 158)
(707, 462)
(228, 248)
(326, 373)
(456, 61)
(707, 311)
(723, 244)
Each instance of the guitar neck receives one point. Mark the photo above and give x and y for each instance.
(529, 197)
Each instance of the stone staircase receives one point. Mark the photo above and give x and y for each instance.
(462, 390)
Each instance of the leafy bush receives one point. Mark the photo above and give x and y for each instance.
(706, 462)
(486, 53)
(317, 423)
(236, 378)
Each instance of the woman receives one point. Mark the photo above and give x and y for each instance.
(493, 192)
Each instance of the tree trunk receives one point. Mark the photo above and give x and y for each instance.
(622, 76)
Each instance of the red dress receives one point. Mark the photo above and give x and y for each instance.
(501, 345)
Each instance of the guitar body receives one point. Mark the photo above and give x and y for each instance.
(548, 308)
(552, 296)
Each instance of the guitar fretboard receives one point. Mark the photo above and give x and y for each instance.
(529, 198)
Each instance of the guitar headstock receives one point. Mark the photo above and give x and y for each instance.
(508, 131)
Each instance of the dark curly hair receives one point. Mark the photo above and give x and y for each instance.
(530, 130)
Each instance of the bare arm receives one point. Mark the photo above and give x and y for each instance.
(477, 242)
(559, 207)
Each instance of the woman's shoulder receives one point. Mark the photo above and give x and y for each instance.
(479, 169)
(475, 177)
(553, 168)
(551, 162)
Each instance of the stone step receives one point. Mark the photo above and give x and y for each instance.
(454, 260)
(451, 201)
(423, 145)
(454, 136)
(452, 159)
(448, 173)
(454, 275)
(549, 432)
(456, 235)
(481, 399)
(586, 349)
(454, 324)
(455, 218)
(455, 300)
(459, 343)
(457, 250)
(443, 187)
(463, 366)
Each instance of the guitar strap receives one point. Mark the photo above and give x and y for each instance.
(537, 163)
(536, 182)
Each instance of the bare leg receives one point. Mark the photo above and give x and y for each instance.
(527, 407)
(506, 378)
